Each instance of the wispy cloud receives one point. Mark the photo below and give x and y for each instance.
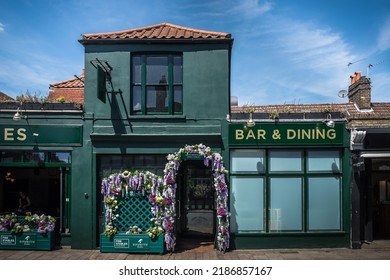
(297, 61)
(384, 36)
(251, 8)
(311, 47)
(1, 27)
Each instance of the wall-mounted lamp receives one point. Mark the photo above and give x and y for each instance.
(250, 122)
(329, 122)
(18, 115)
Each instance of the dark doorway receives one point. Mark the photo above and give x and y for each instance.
(196, 206)
(375, 199)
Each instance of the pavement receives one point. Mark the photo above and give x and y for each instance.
(376, 250)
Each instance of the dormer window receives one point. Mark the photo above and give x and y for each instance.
(157, 84)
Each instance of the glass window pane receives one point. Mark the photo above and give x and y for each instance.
(177, 70)
(250, 160)
(285, 208)
(136, 70)
(63, 157)
(324, 203)
(34, 157)
(177, 99)
(324, 161)
(156, 69)
(156, 98)
(247, 204)
(286, 161)
(10, 157)
(136, 99)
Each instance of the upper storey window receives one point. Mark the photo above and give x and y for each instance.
(157, 84)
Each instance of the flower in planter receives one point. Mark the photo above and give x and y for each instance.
(110, 230)
(44, 223)
(7, 222)
(134, 230)
(17, 229)
(154, 232)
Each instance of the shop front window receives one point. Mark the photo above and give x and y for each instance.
(292, 190)
(247, 197)
(324, 161)
(247, 161)
(10, 156)
(63, 157)
(324, 203)
(156, 86)
(34, 157)
(286, 161)
(285, 207)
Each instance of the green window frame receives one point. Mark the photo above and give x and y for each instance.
(28, 158)
(292, 196)
(157, 84)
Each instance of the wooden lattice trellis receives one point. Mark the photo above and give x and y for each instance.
(134, 210)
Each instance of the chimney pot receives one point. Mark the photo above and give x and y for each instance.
(358, 75)
(353, 79)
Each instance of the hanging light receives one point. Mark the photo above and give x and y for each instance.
(18, 115)
(329, 122)
(250, 122)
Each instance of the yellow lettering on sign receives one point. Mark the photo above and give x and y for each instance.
(239, 134)
(21, 134)
(291, 134)
(8, 134)
(250, 134)
(331, 134)
(261, 134)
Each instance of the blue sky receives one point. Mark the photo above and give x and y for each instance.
(284, 52)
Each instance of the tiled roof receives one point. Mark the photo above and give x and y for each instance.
(159, 31)
(71, 83)
(378, 116)
(291, 108)
(378, 108)
(4, 97)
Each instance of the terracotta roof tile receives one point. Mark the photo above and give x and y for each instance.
(159, 31)
(4, 97)
(71, 83)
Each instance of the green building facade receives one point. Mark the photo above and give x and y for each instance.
(147, 94)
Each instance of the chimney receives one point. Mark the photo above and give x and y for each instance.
(359, 92)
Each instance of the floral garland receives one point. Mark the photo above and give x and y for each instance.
(117, 186)
(219, 172)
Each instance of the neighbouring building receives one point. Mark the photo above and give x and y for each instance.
(69, 91)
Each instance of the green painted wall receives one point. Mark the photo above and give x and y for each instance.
(206, 75)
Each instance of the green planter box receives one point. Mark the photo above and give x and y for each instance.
(131, 243)
(27, 241)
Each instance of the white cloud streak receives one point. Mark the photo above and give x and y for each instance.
(251, 8)
(1, 27)
(296, 59)
(384, 37)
